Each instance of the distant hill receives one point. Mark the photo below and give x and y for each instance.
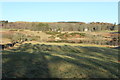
(59, 26)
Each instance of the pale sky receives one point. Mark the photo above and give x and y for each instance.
(60, 11)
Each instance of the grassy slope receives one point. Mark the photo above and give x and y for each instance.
(71, 44)
(60, 61)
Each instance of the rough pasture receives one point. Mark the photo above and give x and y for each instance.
(60, 61)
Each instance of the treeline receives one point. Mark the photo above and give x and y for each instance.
(59, 26)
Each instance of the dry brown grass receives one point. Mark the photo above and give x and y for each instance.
(59, 61)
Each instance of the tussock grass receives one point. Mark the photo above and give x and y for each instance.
(59, 61)
(71, 44)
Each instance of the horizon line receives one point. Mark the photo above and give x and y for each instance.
(62, 21)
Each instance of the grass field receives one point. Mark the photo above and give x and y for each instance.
(71, 44)
(59, 61)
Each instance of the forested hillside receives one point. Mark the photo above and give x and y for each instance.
(60, 26)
